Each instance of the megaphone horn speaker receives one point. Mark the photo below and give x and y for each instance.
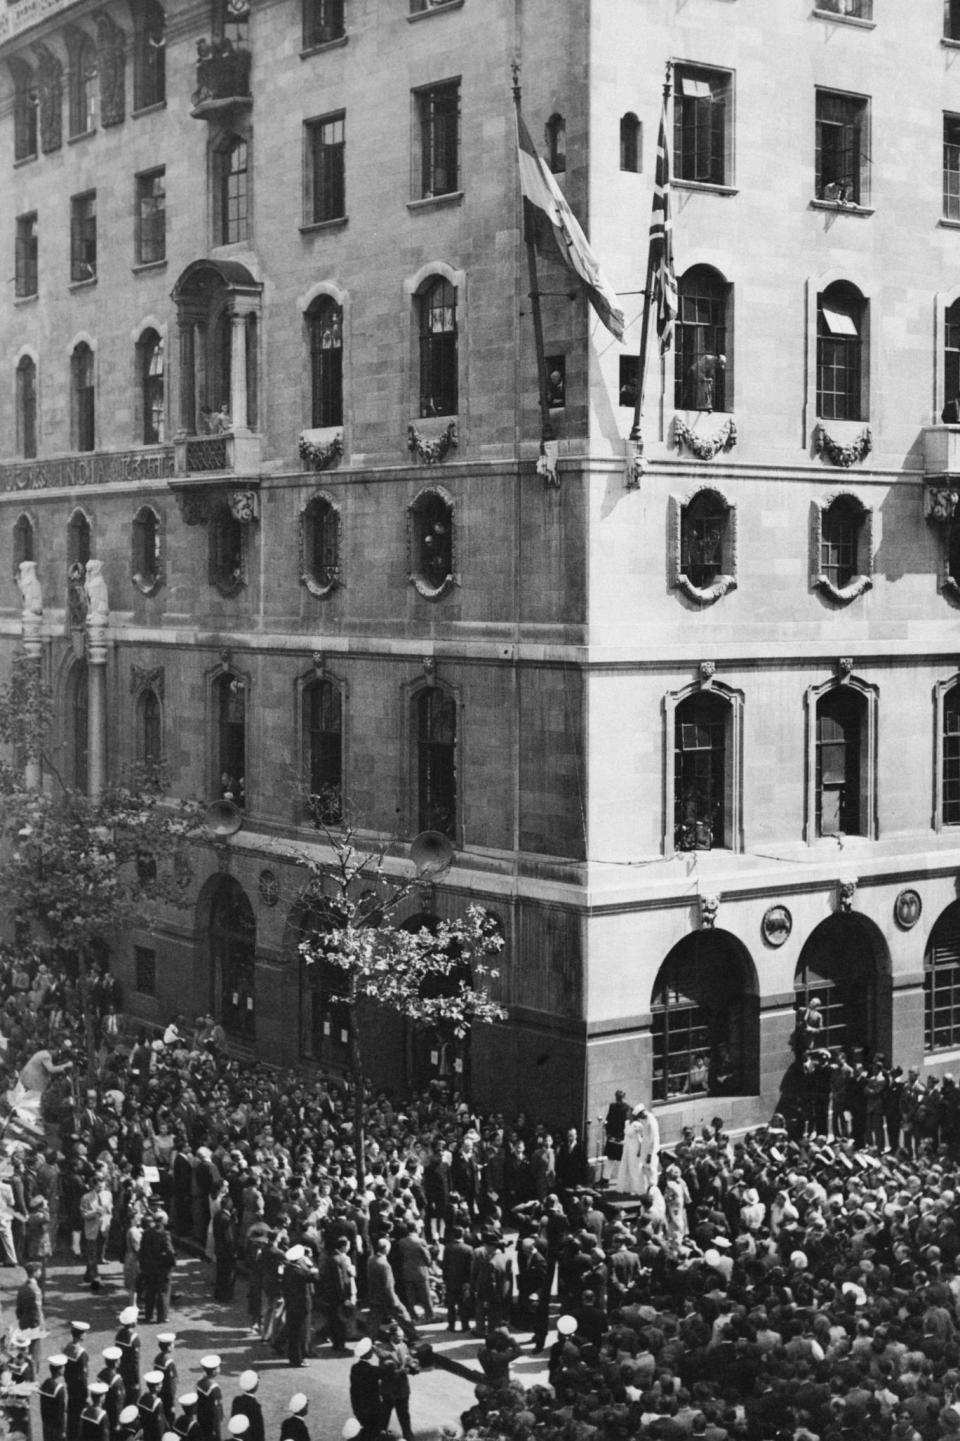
(222, 818)
(431, 853)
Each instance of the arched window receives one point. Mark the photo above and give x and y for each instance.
(83, 85)
(27, 407)
(950, 788)
(951, 352)
(704, 1020)
(325, 330)
(78, 539)
(435, 720)
(556, 137)
(150, 76)
(227, 551)
(83, 392)
(78, 553)
(701, 355)
(323, 750)
(431, 518)
(841, 327)
(840, 529)
(25, 105)
(230, 695)
(701, 772)
(77, 719)
(325, 1012)
(439, 363)
(23, 542)
(703, 538)
(840, 762)
(631, 134)
(234, 193)
(232, 943)
(320, 546)
(839, 967)
(941, 983)
(150, 732)
(146, 549)
(150, 376)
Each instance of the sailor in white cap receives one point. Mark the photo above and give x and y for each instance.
(128, 1339)
(209, 1399)
(237, 1427)
(294, 1427)
(351, 1429)
(75, 1374)
(116, 1395)
(53, 1401)
(365, 1378)
(94, 1421)
(152, 1419)
(163, 1361)
(129, 1428)
(247, 1406)
(187, 1426)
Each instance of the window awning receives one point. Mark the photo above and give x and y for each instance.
(698, 89)
(837, 323)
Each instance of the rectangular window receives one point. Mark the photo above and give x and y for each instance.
(951, 167)
(322, 22)
(702, 125)
(437, 149)
(151, 216)
(83, 237)
(951, 765)
(842, 144)
(26, 271)
(855, 9)
(951, 19)
(145, 970)
(324, 156)
(25, 103)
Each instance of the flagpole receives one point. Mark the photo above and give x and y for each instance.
(635, 465)
(546, 425)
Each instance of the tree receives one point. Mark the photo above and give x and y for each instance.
(437, 977)
(74, 871)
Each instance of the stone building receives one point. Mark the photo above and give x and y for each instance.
(694, 741)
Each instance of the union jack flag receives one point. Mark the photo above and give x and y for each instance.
(661, 243)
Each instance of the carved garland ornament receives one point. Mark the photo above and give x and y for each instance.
(702, 446)
(844, 455)
(318, 456)
(431, 452)
(861, 582)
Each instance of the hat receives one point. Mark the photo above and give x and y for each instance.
(57, 1361)
(113, 1353)
(248, 1381)
(98, 1388)
(296, 1253)
(351, 1429)
(189, 1398)
(128, 1316)
(722, 1242)
(128, 1415)
(363, 1347)
(80, 1327)
(205, 1153)
(566, 1325)
(166, 1338)
(210, 1363)
(153, 1378)
(297, 1404)
(238, 1425)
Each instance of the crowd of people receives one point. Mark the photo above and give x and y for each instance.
(774, 1285)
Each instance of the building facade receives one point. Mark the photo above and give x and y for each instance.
(694, 741)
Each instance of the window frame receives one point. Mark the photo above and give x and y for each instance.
(631, 144)
(432, 756)
(83, 397)
(26, 406)
(317, 30)
(555, 140)
(23, 541)
(326, 381)
(151, 224)
(334, 184)
(26, 106)
(691, 166)
(84, 75)
(726, 578)
(842, 355)
(27, 256)
(424, 503)
(151, 386)
(701, 341)
(231, 736)
(843, 177)
(432, 139)
(83, 238)
(150, 57)
(438, 348)
(673, 703)
(225, 532)
(330, 577)
(322, 749)
(861, 578)
(868, 757)
(233, 208)
(146, 575)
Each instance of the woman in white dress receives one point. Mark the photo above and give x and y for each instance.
(639, 1164)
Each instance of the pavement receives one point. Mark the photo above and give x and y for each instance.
(203, 1325)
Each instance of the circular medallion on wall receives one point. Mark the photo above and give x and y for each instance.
(269, 888)
(906, 909)
(776, 925)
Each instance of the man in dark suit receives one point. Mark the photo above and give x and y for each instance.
(456, 1266)
(296, 1284)
(573, 1168)
(365, 1376)
(436, 1190)
(157, 1260)
(294, 1427)
(491, 1282)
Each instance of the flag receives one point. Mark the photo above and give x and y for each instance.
(661, 243)
(546, 211)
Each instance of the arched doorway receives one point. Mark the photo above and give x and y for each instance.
(437, 1057)
(326, 1022)
(232, 950)
(941, 983)
(846, 966)
(705, 1019)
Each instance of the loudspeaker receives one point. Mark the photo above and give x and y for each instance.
(431, 853)
(222, 818)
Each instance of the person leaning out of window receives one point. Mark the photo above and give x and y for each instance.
(950, 414)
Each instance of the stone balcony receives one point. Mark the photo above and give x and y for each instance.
(232, 453)
(941, 472)
(223, 79)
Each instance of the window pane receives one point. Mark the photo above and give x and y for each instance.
(326, 140)
(438, 350)
(700, 125)
(439, 112)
